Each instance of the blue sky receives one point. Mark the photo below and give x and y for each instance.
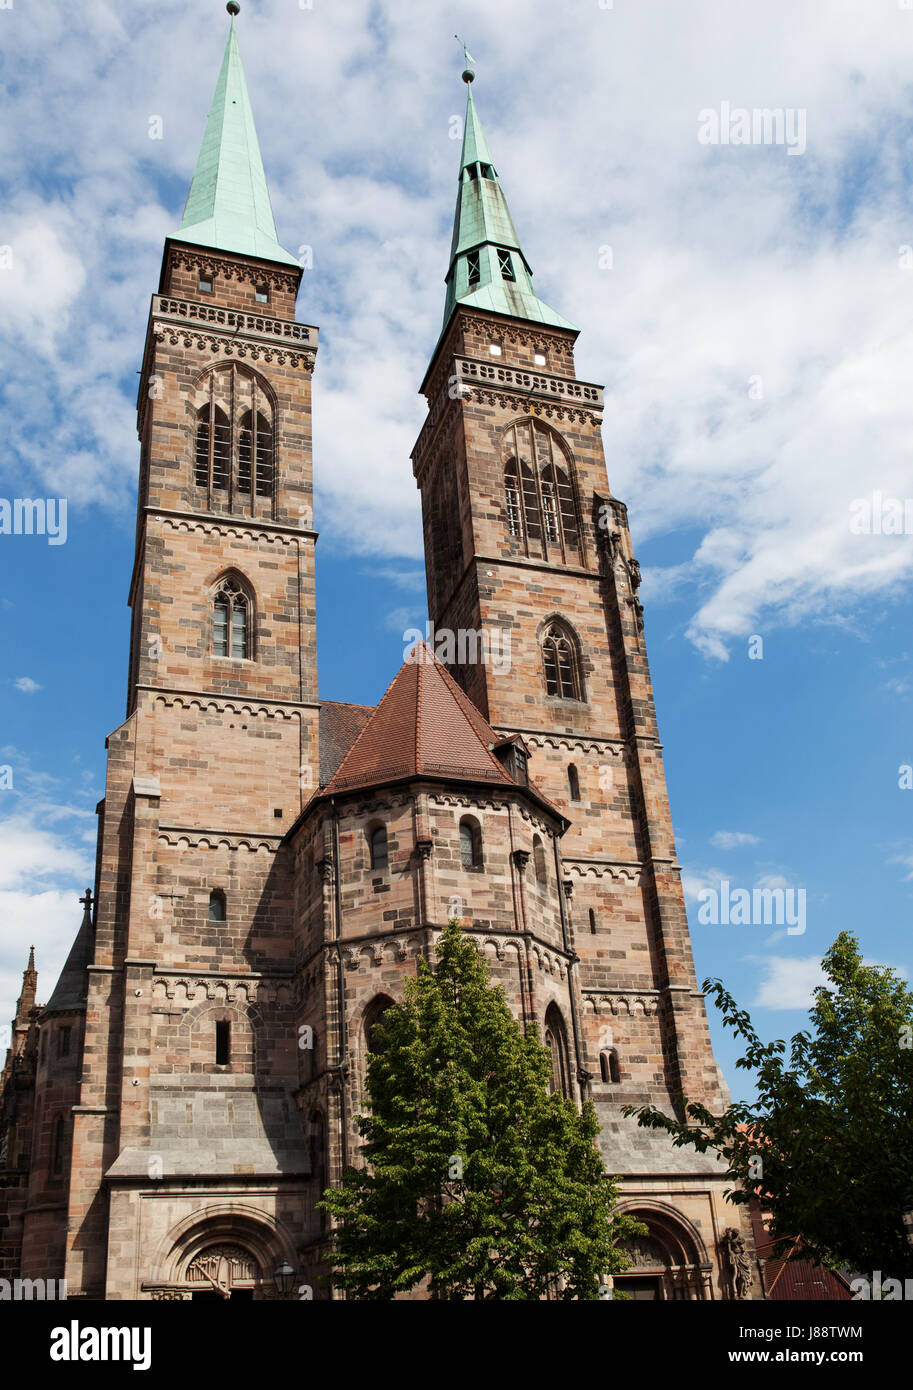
(754, 333)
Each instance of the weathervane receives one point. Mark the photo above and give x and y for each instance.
(468, 72)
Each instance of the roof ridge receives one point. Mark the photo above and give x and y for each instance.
(418, 696)
(463, 700)
(369, 722)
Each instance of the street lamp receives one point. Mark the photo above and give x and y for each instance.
(284, 1276)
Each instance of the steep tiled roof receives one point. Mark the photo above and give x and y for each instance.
(340, 725)
(425, 725)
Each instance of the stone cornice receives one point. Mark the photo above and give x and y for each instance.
(233, 704)
(231, 346)
(230, 268)
(251, 528)
(534, 402)
(179, 837)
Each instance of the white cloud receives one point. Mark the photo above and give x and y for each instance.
(401, 619)
(729, 264)
(413, 580)
(788, 982)
(733, 839)
(31, 855)
(43, 874)
(26, 685)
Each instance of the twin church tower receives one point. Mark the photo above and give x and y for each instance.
(272, 865)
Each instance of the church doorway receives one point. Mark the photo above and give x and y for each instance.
(639, 1287)
(668, 1263)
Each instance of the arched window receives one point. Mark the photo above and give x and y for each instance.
(217, 905)
(512, 495)
(377, 845)
(374, 1015)
(608, 1066)
(559, 509)
(212, 456)
(561, 662)
(231, 621)
(573, 783)
(232, 453)
(470, 843)
(556, 1042)
(540, 496)
(261, 466)
(58, 1146)
(523, 513)
(539, 860)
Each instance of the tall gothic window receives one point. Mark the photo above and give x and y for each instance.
(214, 453)
(512, 497)
(232, 453)
(556, 1042)
(561, 662)
(540, 498)
(231, 621)
(261, 468)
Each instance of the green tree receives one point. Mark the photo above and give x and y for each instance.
(827, 1143)
(479, 1181)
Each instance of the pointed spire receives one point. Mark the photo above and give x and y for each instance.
(228, 207)
(26, 1001)
(488, 269)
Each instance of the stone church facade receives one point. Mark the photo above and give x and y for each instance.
(271, 866)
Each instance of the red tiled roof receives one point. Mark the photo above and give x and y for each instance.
(790, 1277)
(340, 725)
(424, 725)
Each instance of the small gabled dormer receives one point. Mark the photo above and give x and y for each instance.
(513, 755)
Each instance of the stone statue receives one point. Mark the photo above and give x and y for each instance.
(740, 1275)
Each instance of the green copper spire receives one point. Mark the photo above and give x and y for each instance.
(488, 269)
(228, 207)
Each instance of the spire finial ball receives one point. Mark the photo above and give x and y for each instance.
(233, 8)
(468, 76)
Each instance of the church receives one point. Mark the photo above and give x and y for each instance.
(271, 865)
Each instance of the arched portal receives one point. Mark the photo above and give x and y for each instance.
(229, 1250)
(669, 1262)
